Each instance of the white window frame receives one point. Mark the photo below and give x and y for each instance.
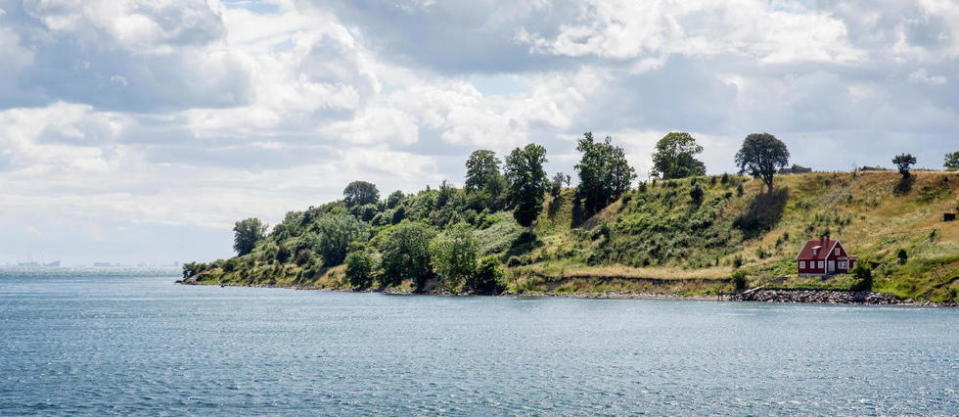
(836, 251)
(822, 264)
(842, 265)
(802, 264)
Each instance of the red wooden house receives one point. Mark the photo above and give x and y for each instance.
(824, 257)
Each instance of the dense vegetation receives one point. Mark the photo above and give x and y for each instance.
(512, 229)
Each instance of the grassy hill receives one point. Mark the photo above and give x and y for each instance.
(684, 237)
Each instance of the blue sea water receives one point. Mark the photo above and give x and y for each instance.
(134, 343)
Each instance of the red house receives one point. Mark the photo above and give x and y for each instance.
(824, 257)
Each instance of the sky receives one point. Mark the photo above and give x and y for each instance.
(136, 131)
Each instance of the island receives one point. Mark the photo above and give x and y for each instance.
(514, 230)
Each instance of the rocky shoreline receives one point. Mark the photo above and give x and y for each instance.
(788, 295)
(762, 295)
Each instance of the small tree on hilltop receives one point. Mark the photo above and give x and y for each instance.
(246, 234)
(556, 185)
(952, 161)
(483, 177)
(604, 173)
(358, 193)
(904, 162)
(527, 182)
(675, 157)
(761, 156)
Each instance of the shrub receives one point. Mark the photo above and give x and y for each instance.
(863, 276)
(406, 253)
(453, 255)
(737, 261)
(360, 266)
(739, 280)
(903, 256)
(489, 277)
(696, 195)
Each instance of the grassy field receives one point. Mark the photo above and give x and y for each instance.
(663, 233)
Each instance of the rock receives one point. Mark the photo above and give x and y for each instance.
(786, 295)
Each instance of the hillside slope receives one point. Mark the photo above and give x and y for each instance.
(683, 237)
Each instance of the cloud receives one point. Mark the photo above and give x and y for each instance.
(131, 116)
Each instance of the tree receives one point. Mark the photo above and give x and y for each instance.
(453, 255)
(527, 182)
(489, 277)
(406, 253)
(863, 276)
(761, 156)
(358, 193)
(335, 232)
(675, 157)
(904, 162)
(556, 185)
(359, 269)
(902, 256)
(696, 195)
(483, 177)
(246, 234)
(394, 199)
(952, 161)
(604, 173)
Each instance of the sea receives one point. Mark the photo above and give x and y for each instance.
(131, 342)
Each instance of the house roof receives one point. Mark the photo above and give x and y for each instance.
(825, 247)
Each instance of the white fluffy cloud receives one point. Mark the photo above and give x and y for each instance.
(125, 125)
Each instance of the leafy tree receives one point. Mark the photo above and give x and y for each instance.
(406, 253)
(952, 161)
(335, 232)
(246, 234)
(453, 255)
(358, 193)
(489, 277)
(527, 182)
(556, 185)
(604, 173)
(675, 157)
(483, 177)
(761, 156)
(445, 194)
(904, 162)
(360, 266)
(394, 199)
(863, 276)
(482, 169)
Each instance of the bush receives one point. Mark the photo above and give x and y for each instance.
(903, 256)
(360, 266)
(737, 261)
(696, 195)
(453, 255)
(739, 280)
(863, 276)
(489, 277)
(406, 253)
